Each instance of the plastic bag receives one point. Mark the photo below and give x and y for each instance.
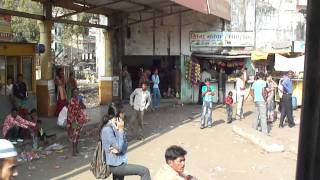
(62, 118)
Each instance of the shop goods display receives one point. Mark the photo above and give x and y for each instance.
(193, 72)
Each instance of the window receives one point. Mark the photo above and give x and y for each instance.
(10, 67)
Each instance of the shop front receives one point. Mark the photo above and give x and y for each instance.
(223, 54)
(17, 58)
(278, 63)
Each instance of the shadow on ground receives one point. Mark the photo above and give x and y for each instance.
(61, 166)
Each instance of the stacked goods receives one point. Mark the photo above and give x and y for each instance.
(192, 72)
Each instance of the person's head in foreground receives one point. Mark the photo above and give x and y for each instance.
(8, 160)
(207, 82)
(175, 158)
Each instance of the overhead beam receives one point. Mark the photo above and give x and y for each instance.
(41, 18)
(156, 17)
(21, 14)
(144, 5)
(71, 6)
(86, 24)
(90, 9)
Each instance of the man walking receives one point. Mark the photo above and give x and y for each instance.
(258, 92)
(156, 90)
(207, 92)
(286, 101)
(140, 100)
(240, 88)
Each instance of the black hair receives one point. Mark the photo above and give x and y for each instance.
(20, 75)
(111, 113)
(207, 80)
(33, 111)
(173, 152)
(144, 82)
(230, 93)
(14, 109)
(204, 69)
(71, 73)
(74, 89)
(261, 75)
(239, 74)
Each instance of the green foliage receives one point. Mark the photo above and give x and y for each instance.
(24, 29)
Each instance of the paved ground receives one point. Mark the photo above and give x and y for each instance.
(215, 153)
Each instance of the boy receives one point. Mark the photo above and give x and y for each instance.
(207, 95)
(229, 102)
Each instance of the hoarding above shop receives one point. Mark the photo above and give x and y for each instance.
(210, 39)
(5, 28)
(220, 8)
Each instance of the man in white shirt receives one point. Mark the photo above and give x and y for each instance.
(140, 100)
(240, 88)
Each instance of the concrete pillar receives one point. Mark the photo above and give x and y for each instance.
(46, 98)
(309, 141)
(105, 84)
(46, 57)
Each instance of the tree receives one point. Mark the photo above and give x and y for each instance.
(24, 29)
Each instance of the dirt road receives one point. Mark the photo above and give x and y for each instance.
(213, 154)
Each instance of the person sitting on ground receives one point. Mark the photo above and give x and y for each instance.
(174, 167)
(229, 103)
(8, 160)
(13, 124)
(38, 129)
(114, 142)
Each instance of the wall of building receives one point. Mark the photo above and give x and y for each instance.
(167, 34)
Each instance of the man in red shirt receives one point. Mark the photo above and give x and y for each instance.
(12, 125)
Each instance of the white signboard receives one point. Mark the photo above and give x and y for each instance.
(286, 64)
(220, 39)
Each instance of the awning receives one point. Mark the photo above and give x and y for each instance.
(286, 64)
(218, 56)
(256, 55)
(220, 8)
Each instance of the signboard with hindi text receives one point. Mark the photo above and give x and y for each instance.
(207, 39)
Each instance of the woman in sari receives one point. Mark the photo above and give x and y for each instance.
(61, 90)
(76, 119)
(71, 84)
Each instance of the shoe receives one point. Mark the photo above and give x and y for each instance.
(292, 125)
(209, 126)
(201, 127)
(229, 122)
(14, 142)
(140, 138)
(281, 126)
(20, 140)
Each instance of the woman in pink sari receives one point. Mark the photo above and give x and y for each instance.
(61, 91)
(76, 119)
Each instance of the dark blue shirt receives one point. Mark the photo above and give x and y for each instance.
(287, 85)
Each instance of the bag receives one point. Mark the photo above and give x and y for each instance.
(98, 166)
(63, 116)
